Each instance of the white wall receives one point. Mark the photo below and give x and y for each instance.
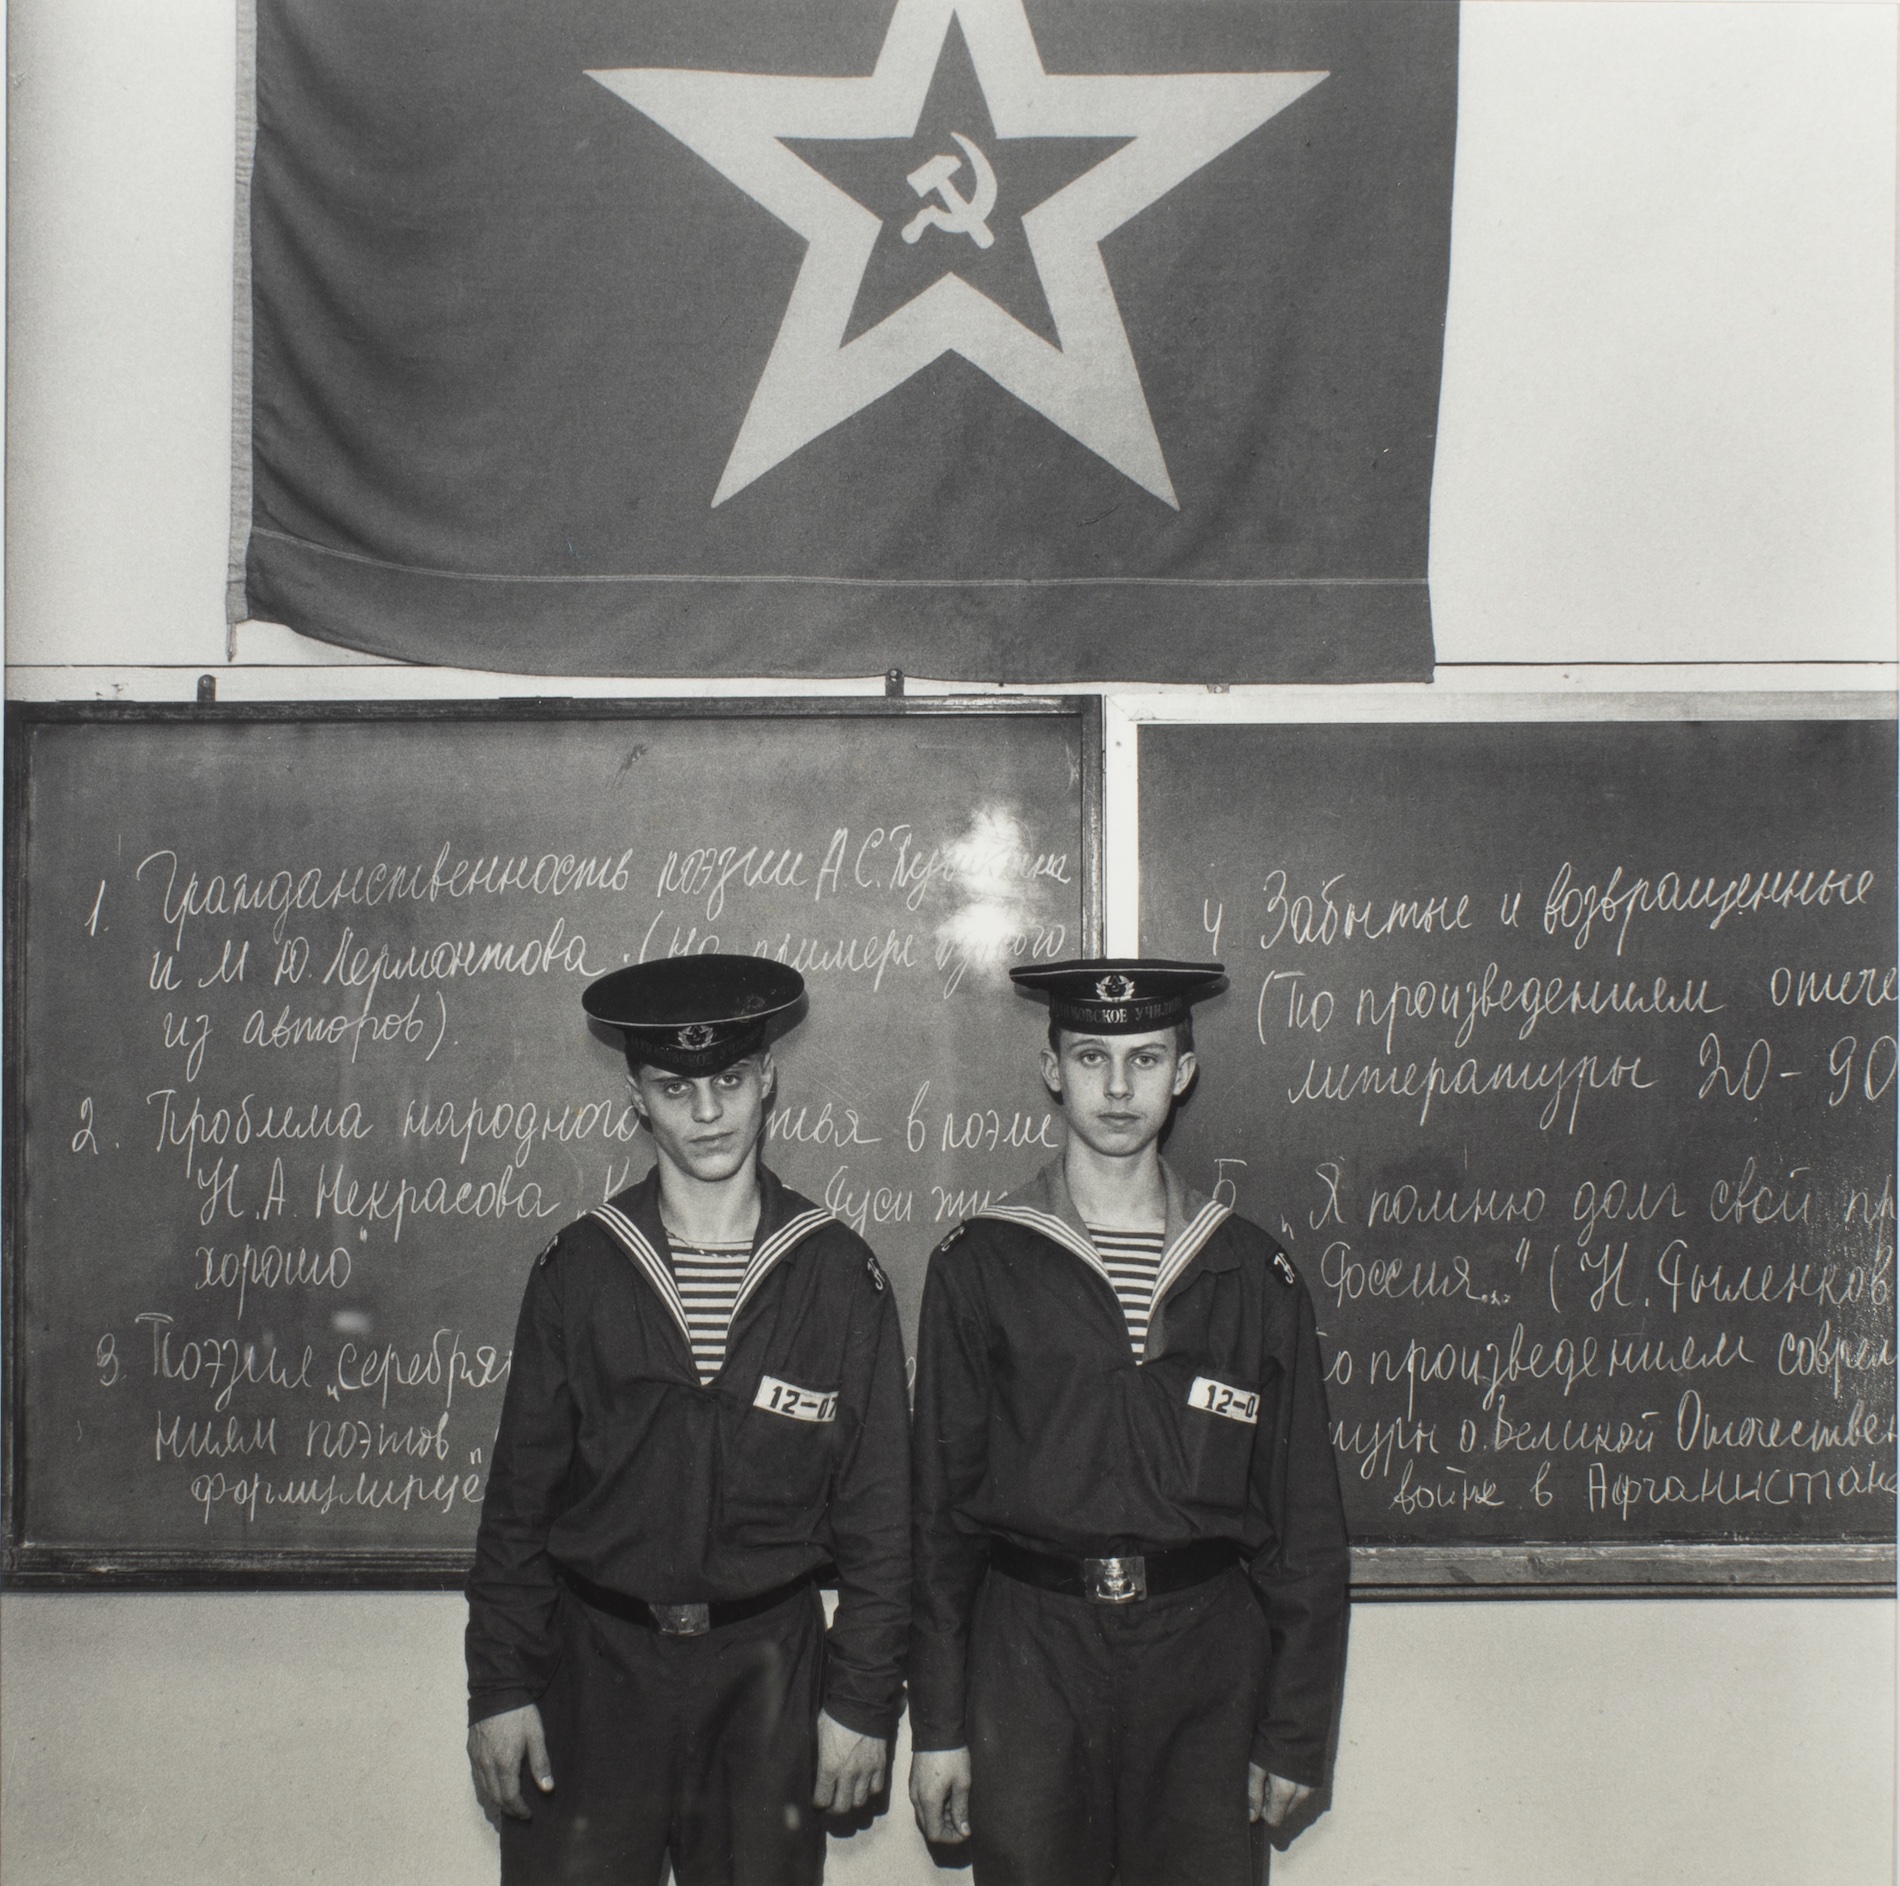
(1666, 430)
(251, 1740)
(1667, 438)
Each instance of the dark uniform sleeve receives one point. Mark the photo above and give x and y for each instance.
(1302, 1572)
(510, 1645)
(870, 1513)
(949, 1450)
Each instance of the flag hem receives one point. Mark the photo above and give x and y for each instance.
(1277, 629)
(236, 602)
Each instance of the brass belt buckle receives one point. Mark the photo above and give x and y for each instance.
(682, 1620)
(1115, 1581)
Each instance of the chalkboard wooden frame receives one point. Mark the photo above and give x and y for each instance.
(27, 1566)
(1402, 1573)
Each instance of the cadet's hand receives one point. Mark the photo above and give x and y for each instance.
(940, 1793)
(1271, 1798)
(850, 1766)
(496, 1748)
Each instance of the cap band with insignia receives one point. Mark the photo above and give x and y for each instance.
(1119, 995)
(696, 1014)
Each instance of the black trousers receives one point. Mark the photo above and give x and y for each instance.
(1111, 1741)
(701, 1748)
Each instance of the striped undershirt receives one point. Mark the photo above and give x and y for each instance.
(1132, 1260)
(709, 1276)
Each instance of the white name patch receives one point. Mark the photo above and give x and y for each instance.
(801, 1404)
(1212, 1397)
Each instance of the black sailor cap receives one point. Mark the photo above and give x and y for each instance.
(1119, 995)
(696, 1014)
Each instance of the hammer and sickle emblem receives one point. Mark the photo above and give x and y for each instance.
(957, 215)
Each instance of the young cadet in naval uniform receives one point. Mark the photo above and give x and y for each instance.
(706, 1408)
(1130, 1553)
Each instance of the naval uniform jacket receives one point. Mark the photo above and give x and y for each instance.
(612, 1459)
(1034, 1421)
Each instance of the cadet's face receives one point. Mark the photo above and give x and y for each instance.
(1116, 1090)
(706, 1124)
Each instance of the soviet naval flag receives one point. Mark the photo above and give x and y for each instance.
(991, 339)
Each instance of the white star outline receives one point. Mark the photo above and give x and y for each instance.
(1087, 383)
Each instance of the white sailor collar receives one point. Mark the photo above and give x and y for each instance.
(632, 1220)
(1046, 1207)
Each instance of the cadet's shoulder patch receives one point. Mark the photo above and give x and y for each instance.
(548, 1250)
(874, 1271)
(951, 1239)
(1284, 1265)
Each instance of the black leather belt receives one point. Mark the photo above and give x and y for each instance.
(680, 1620)
(1122, 1580)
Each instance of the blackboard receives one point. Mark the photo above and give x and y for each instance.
(1562, 1058)
(300, 1082)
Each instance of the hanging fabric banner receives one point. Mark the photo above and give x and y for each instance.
(1031, 340)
